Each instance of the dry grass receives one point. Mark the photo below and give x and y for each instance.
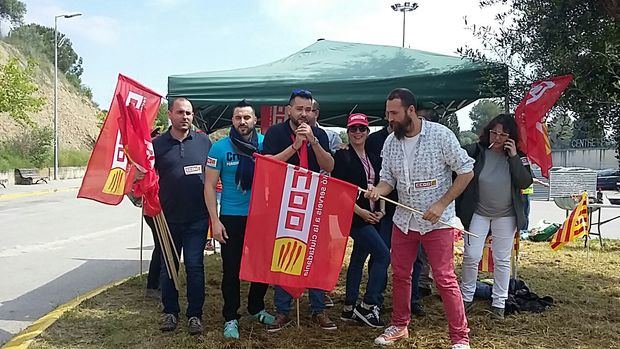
(587, 315)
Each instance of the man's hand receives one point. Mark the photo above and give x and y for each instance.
(138, 176)
(368, 216)
(372, 193)
(304, 130)
(219, 231)
(433, 214)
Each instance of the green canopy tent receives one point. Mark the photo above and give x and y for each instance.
(343, 77)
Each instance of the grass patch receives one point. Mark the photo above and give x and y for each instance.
(586, 291)
(72, 157)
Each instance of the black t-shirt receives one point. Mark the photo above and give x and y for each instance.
(181, 167)
(280, 136)
(374, 145)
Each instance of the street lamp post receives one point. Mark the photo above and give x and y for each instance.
(404, 8)
(56, 89)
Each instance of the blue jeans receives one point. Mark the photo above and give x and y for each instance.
(189, 238)
(367, 241)
(283, 300)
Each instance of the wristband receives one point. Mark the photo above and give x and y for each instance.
(295, 150)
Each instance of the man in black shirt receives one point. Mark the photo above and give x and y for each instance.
(180, 157)
(294, 141)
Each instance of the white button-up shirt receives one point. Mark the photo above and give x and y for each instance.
(422, 179)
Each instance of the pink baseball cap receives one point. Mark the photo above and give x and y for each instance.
(357, 119)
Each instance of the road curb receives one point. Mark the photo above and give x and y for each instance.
(5, 197)
(25, 337)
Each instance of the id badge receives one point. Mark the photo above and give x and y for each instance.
(192, 170)
(425, 185)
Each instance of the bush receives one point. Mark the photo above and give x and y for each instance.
(73, 158)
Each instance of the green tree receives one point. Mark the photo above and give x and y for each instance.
(560, 131)
(161, 121)
(12, 11)
(542, 38)
(17, 91)
(467, 137)
(482, 113)
(451, 121)
(33, 40)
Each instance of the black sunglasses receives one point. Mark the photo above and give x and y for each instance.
(357, 128)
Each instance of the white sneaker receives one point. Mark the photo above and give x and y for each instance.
(391, 335)
(461, 346)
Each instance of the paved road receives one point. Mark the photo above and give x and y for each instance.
(54, 247)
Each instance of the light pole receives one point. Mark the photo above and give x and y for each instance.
(404, 8)
(56, 89)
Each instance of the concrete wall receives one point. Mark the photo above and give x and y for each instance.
(63, 173)
(591, 158)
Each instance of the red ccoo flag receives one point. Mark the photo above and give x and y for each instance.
(297, 228)
(533, 137)
(107, 172)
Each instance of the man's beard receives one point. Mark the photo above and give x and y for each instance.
(245, 131)
(400, 129)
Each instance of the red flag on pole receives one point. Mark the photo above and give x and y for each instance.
(533, 137)
(137, 145)
(297, 228)
(107, 172)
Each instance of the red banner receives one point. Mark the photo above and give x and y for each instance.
(271, 115)
(106, 178)
(297, 228)
(533, 137)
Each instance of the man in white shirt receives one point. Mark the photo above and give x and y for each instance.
(418, 160)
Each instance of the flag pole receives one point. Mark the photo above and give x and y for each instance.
(297, 306)
(141, 235)
(417, 212)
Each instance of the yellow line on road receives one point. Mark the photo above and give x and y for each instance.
(26, 336)
(5, 197)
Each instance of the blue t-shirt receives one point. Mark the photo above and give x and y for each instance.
(222, 157)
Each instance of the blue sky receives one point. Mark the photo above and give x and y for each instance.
(149, 40)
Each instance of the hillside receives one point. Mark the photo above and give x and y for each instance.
(76, 114)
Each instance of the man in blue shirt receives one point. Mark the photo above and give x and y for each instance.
(231, 160)
(180, 157)
(296, 142)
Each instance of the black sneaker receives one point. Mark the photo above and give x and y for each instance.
(194, 326)
(169, 322)
(348, 315)
(368, 316)
(417, 310)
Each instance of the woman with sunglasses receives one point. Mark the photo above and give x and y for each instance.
(492, 201)
(360, 168)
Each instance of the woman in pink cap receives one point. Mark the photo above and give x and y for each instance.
(360, 168)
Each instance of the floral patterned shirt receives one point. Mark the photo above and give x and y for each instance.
(422, 179)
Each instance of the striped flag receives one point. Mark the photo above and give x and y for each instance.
(575, 225)
(486, 263)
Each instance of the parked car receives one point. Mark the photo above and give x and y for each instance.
(608, 179)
